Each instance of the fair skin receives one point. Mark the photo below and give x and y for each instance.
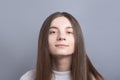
(61, 43)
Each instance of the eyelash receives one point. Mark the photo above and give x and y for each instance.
(53, 32)
(70, 32)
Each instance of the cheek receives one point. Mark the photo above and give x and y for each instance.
(72, 43)
(51, 39)
(71, 40)
(50, 43)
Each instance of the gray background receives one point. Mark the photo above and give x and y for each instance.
(20, 22)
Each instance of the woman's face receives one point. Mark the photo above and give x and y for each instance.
(61, 37)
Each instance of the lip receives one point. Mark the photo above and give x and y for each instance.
(61, 45)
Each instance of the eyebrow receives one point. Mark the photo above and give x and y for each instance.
(57, 28)
(53, 27)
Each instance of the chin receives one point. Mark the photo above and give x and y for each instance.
(63, 54)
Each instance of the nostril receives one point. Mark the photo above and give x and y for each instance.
(61, 39)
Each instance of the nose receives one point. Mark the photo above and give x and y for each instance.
(61, 37)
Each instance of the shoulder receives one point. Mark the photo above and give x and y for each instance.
(93, 77)
(29, 75)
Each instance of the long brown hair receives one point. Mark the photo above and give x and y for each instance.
(81, 66)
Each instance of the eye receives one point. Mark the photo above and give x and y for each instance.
(69, 32)
(52, 32)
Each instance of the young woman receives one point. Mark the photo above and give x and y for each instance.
(61, 52)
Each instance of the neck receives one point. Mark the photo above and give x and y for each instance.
(61, 63)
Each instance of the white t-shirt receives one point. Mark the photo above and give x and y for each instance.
(30, 75)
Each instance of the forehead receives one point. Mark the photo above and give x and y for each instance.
(61, 21)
